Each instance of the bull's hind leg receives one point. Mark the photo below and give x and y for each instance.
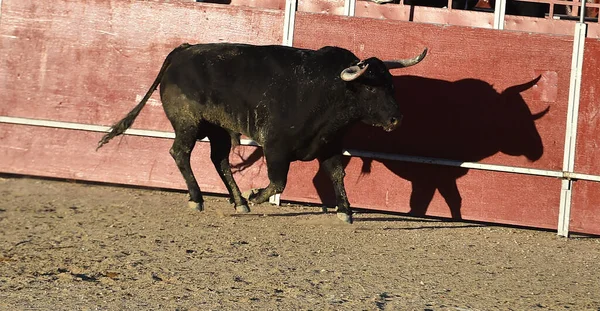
(220, 145)
(185, 140)
(277, 167)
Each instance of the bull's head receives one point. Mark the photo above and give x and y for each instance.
(520, 124)
(372, 84)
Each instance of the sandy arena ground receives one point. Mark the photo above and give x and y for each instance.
(77, 246)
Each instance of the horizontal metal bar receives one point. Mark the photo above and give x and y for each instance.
(445, 162)
(81, 126)
(350, 152)
(579, 176)
(100, 128)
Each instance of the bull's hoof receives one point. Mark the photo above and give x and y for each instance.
(196, 206)
(256, 200)
(250, 194)
(242, 209)
(345, 217)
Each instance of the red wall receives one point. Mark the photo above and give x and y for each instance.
(585, 211)
(585, 214)
(90, 62)
(493, 60)
(588, 130)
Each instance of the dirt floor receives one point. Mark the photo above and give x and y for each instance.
(76, 246)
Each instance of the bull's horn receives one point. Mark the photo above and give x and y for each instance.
(353, 72)
(401, 63)
(540, 114)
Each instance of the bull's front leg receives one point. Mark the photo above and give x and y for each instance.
(277, 167)
(335, 170)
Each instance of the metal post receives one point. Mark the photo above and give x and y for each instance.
(564, 213)
(551, 11)
(349, 7)
(582, 12)
(288, 22)
(499, 13)
(288, 40)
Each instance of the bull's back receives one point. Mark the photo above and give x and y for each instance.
(247, 88)
(249, 71)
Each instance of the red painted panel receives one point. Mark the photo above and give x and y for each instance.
(423, 14)
(478, 195)
(423, 189)
(90, 62)
(585, 208)
(466, 107)
(542, 25)
(322, 6)
(391, 186)
(131, 160)
(587, 158)
(265, 4)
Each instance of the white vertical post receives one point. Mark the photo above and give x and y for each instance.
(288, 39)
(275, 199)
(499, 13)
(564, 213)
(349, 7)
(288, 22)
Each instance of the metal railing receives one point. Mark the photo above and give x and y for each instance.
(557, 9)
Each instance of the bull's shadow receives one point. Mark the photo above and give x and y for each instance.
(465, 120)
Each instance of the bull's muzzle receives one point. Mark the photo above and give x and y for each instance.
(393, 124)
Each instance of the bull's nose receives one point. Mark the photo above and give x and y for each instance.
(395, 121)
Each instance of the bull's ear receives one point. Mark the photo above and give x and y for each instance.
(353, 72)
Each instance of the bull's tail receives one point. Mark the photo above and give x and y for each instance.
(121, 126)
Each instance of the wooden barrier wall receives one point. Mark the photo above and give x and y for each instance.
(585, 212)
(89, 62)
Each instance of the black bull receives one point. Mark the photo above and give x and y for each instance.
(296, 103)
(465, 120)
